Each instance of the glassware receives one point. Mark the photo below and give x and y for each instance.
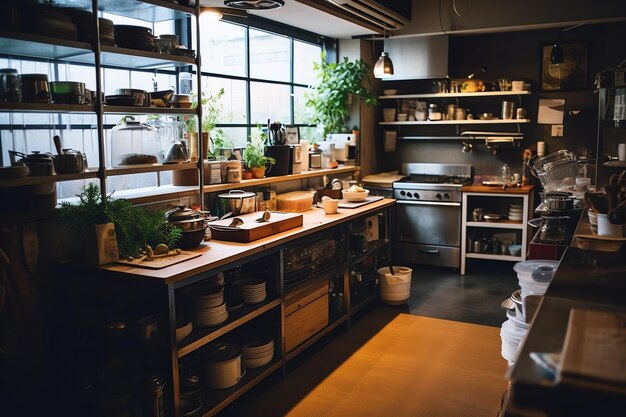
(505, 173)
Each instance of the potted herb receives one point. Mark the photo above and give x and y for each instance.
(132, 228)
(211, 111)
(256, 161)
(338, 84)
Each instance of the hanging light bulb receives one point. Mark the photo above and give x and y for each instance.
(383, 67)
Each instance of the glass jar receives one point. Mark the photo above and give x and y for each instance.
(505, 173)
(135, 143)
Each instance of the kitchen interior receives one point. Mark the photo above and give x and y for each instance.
(506, 193)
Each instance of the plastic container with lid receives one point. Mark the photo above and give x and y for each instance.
(135, 143)
(295, 202)
(535, 275)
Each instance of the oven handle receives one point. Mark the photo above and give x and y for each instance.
(428, 203)
(429, 251)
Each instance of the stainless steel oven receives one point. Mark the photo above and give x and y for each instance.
(428, 214)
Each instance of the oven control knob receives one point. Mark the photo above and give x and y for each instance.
(438, 196)
(416, 195)
(409, 195)
(402, 193)
(446, 195)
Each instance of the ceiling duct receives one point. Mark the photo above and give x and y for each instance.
(377, 12)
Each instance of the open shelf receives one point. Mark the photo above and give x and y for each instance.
(20, 182)
(46, 108)
(147, 10)
(139, 169)
(145, 110)
(497, 224)
(37, 46)
(460, 95)
(456, 122)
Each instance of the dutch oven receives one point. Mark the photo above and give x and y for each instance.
(191, 222)
(237, 202)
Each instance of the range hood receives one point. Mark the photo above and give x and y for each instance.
(418, 57)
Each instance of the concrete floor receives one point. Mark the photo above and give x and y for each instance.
(435, 292)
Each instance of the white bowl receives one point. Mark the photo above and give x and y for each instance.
(355, 196)
(390, 92)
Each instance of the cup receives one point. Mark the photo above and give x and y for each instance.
(520, 113)
(389, 115)
(505, 85)
(621, 151)
(420, 115)
(402, 117)
(507, 110)
(459, 114)
(517, 85)
(606, 228)
(330, 205)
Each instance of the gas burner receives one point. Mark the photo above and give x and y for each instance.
(436, 179)
(254, 4)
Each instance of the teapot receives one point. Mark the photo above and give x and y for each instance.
(39, 164)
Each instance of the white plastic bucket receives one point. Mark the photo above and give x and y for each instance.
(395, 289)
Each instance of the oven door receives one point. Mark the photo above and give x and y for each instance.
(428, 232)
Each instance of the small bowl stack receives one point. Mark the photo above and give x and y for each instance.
(515, 212)
(593, 221)
(252, 291)
(210, 307)
(134, 37)
(183, 331)
(258, 353)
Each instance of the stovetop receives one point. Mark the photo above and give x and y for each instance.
(435, 179)
(432, 175)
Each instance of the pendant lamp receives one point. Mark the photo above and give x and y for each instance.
(383, 67)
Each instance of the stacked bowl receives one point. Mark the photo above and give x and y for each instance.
(512, 333)
(210, 308)
(593, 221)
(258, 353)
(183, 330)
(515, 212)
(253, 291)
(134, 37)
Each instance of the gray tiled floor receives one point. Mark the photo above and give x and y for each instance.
(435, 292)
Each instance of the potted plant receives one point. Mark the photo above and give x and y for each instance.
(256, 161)
(338, 84)
(211, 111)
(100, 224)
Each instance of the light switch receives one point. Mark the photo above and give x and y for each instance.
(557, 131)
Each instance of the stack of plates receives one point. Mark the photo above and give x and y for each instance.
(50, 22)
(512, 334)
(134, 37)
(183, 331)
(515, 212)
(210, 306)
(258, 353)
(252, 290)
(593, 221)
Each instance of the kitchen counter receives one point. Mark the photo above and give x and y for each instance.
(585, 279)
(478, 188)
(216, 253)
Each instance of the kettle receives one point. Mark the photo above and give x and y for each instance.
(177, 153)
(39, 164)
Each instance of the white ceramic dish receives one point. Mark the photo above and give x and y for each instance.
(491, 217)
(355, 196)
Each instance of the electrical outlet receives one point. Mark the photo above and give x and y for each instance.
(557, 131)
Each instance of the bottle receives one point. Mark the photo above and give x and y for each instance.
(505, 173)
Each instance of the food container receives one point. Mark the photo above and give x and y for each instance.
(141, 97)
(534, 276)
(35, 88)
(295, 202)
(10, 85)
(135, 143)
(68, 92)
(237, 202)
(224, 367)
(355, 196)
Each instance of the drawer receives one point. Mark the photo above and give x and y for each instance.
(296, 301)
(306, 321)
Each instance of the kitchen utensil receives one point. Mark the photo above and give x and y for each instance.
(177, 153)
(235, 222)
(39, 164)
(35, 88)
(237, 202)
(224, 367)
(10, 85)
(264, 217)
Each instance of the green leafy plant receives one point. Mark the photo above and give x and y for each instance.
(135, 227)
(329, 101)
(253, 157)
(212, 109)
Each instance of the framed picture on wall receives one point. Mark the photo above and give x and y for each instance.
(293, 135)
(569, 75)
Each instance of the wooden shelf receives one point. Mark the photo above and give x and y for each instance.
(459, 95)
(145, 110)
(498, 224)
(46, 108)
(20, 182)
(139, 169)
(37, 46)
(493, 257)
(456, 122)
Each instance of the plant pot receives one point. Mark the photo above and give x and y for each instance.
(247, 175)
(257, 172)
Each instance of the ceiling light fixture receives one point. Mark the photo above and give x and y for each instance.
(556, 54)
(254, 4)
(384, 66)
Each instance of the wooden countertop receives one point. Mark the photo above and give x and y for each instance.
(477, 188)
(216, 253)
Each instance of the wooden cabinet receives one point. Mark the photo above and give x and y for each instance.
(494, 200)
(306, 314)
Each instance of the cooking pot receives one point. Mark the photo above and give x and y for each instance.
(68, 92)
(142, 97)
(237, 202)
(224, 365)
(35, 88)
(40, 164)
(182, 213)
(70, 162)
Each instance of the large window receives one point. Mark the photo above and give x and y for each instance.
(264, 74)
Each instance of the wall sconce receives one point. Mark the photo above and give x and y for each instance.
(383, 67)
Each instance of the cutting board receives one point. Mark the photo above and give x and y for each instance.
(351, 205)
(594, 352)
(252, 230)
(159, 263)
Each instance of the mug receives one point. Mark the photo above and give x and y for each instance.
(459, 114)
(330, 205)
(517, 85)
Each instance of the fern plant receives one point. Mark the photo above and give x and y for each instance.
(135, 227)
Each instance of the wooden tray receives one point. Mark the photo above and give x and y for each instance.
(251, 230)
(159, 263)
(368, 199)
